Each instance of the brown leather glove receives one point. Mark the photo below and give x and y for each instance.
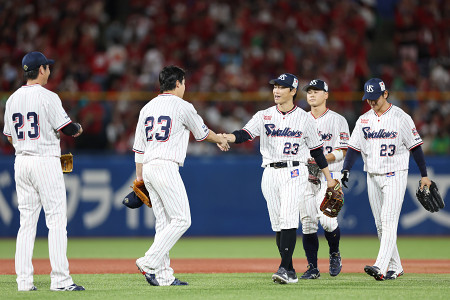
(142, 193)
(333, 201)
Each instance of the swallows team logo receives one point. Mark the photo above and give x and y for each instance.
(380, 134)
(294, 173)
(414, 132)
(325, 136)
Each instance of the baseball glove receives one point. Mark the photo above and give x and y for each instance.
(333, 201)
(313, 170)
(142, 193)
(67, 162)
(430, 198)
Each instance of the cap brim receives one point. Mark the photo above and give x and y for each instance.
(372, 96)
(279, 82)
(50, 61)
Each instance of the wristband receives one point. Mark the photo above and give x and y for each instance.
(338, 154)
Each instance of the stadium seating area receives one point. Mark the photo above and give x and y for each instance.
(229, 46)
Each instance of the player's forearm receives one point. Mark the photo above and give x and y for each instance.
(139, 172)
(350, 159)
(213, 137)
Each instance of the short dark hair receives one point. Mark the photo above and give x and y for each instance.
(33, 74)
(169, 76)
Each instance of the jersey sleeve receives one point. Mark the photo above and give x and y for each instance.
(355, 139)
(139, 136)
(312, 137)
(193, 122)
(344, 134)
(254, 126)
(7, 127)
(57, 116)
(410, 135)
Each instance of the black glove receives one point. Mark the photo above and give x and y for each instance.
(430, 198)
(345, 176)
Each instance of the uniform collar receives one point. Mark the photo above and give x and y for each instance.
(286, 113)
(325, 112)
(389, 108)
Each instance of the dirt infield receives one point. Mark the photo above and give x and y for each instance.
(258, 265)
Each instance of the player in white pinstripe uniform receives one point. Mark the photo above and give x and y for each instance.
(287, 132)
(334, 131)
(385, 136)
(33, 117)
(161, 140)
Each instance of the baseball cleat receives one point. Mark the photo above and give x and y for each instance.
(391, 275)
(292, 276)
(374, 272)
(151, 278)
(179, 282)
(33, 288)
(335, 264)
(311, 273)
(280, 276)
(72, 287)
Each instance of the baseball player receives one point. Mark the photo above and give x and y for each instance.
(333, 129)
(161, 140)
(385, 136)
(33, 118)
(286, 133)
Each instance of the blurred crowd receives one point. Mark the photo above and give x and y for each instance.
(233, 47)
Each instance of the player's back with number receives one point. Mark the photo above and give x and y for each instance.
(33, 116)
(167, 121)
(385, 142)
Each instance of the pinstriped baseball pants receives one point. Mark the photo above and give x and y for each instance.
(386, 195)
(40, 184)
(172, 213)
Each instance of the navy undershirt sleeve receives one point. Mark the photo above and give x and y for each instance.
(350, 159)
(71, 129)
(419, 158)
(318, 156)
(241, 136)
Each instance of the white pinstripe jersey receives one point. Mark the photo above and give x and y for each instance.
(334, 131)
(33, 116)
(385, 140)
(284, 137)
(162, 131)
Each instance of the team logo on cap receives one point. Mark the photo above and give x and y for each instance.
(313, 82)
(369, 88)
(25, 67)
(382, 86)
(282, 77)
(295, 83)
(325, 86)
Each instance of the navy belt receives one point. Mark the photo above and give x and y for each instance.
(284, 164)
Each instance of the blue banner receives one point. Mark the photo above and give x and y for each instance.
(224, 194)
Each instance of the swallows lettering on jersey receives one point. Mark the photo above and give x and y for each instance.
(380, 134)
(271, 130)
(325, 136)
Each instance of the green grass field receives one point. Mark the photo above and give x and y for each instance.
(237, 286)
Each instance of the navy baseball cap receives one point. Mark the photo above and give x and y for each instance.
(287, 80)
(34, 60)
(317, 84)
(132, 201)
(373, 89)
